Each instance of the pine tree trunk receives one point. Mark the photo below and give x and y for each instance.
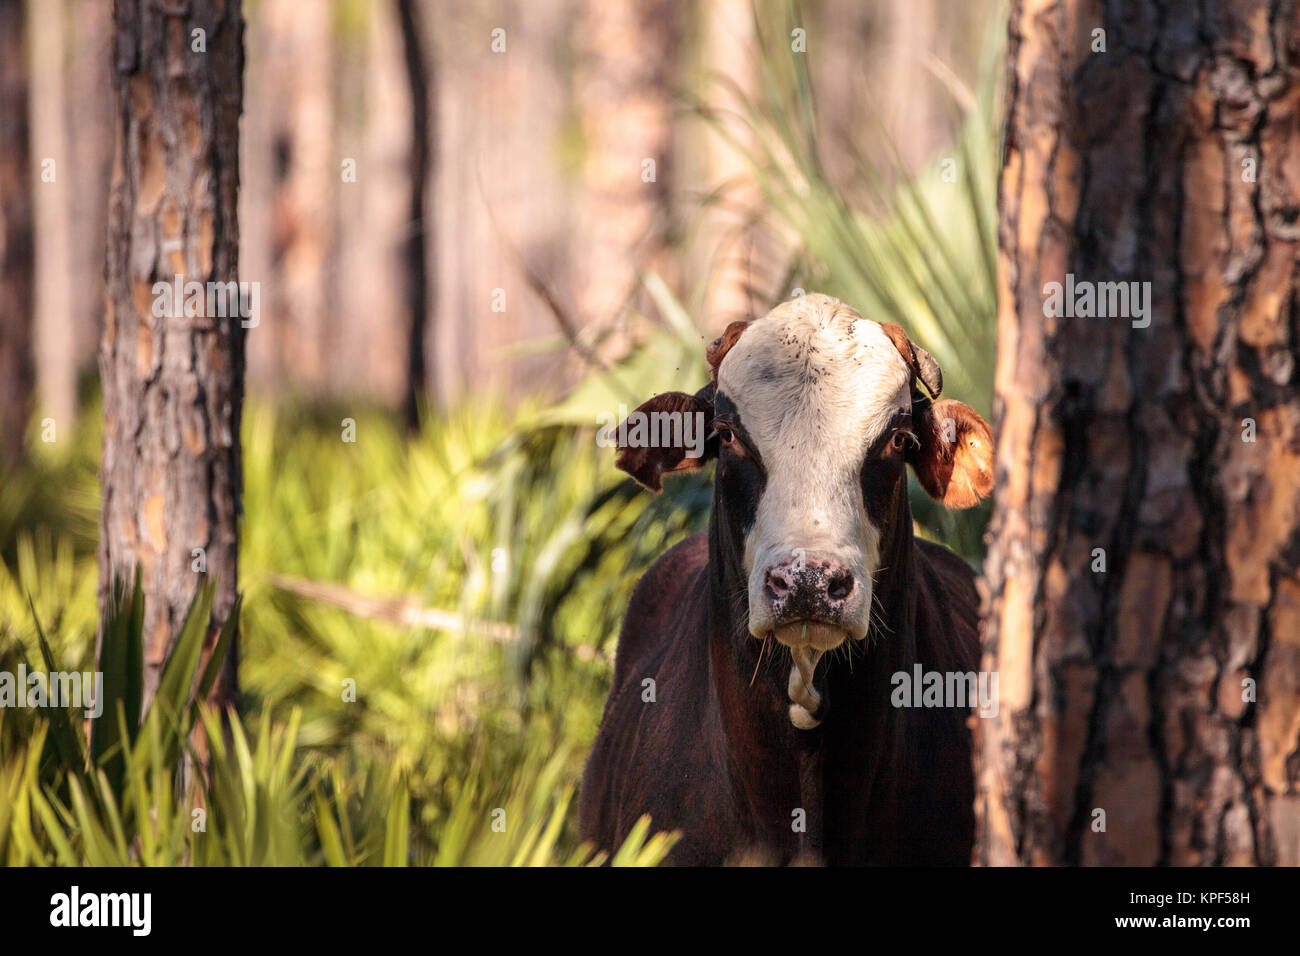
(16, 361)
(173, 387)
(419, 77)
(1143, 599)
(298, 41)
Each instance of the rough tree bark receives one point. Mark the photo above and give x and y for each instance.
(16, 361)
(1169, 158)
(420, 81)
(173, 387)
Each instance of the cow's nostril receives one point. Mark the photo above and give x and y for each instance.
(779, 583)
(839, 585)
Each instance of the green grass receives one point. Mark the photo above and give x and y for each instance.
(449, 731)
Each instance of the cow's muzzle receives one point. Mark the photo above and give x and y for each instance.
(811, 603)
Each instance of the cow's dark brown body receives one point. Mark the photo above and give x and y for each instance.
(715, 755)
(753, 704)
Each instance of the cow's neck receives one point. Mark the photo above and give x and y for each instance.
(779, 767)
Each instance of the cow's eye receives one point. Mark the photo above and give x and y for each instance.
(730, 440)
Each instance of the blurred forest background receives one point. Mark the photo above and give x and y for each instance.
(599, 199)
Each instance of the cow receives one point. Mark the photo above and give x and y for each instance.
(752, 707)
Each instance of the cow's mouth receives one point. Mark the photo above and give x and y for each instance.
(811, 635)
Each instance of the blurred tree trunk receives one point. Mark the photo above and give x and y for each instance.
(16, 361)
(1148, 706)
(90, 166)
(727, 232)
(623, 90)
(420, 80)
(846, 76)
(374, 112)
(299, 40)
(56, 355)
(264, 371)
(906, 95)
(173, 387)
(501, 194)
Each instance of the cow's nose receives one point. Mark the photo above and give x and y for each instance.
(808, 591)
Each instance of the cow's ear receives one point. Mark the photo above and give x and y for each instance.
(954, 461)
(648, 464)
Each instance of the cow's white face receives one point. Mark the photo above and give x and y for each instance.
(808, 397)
(814, 422)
